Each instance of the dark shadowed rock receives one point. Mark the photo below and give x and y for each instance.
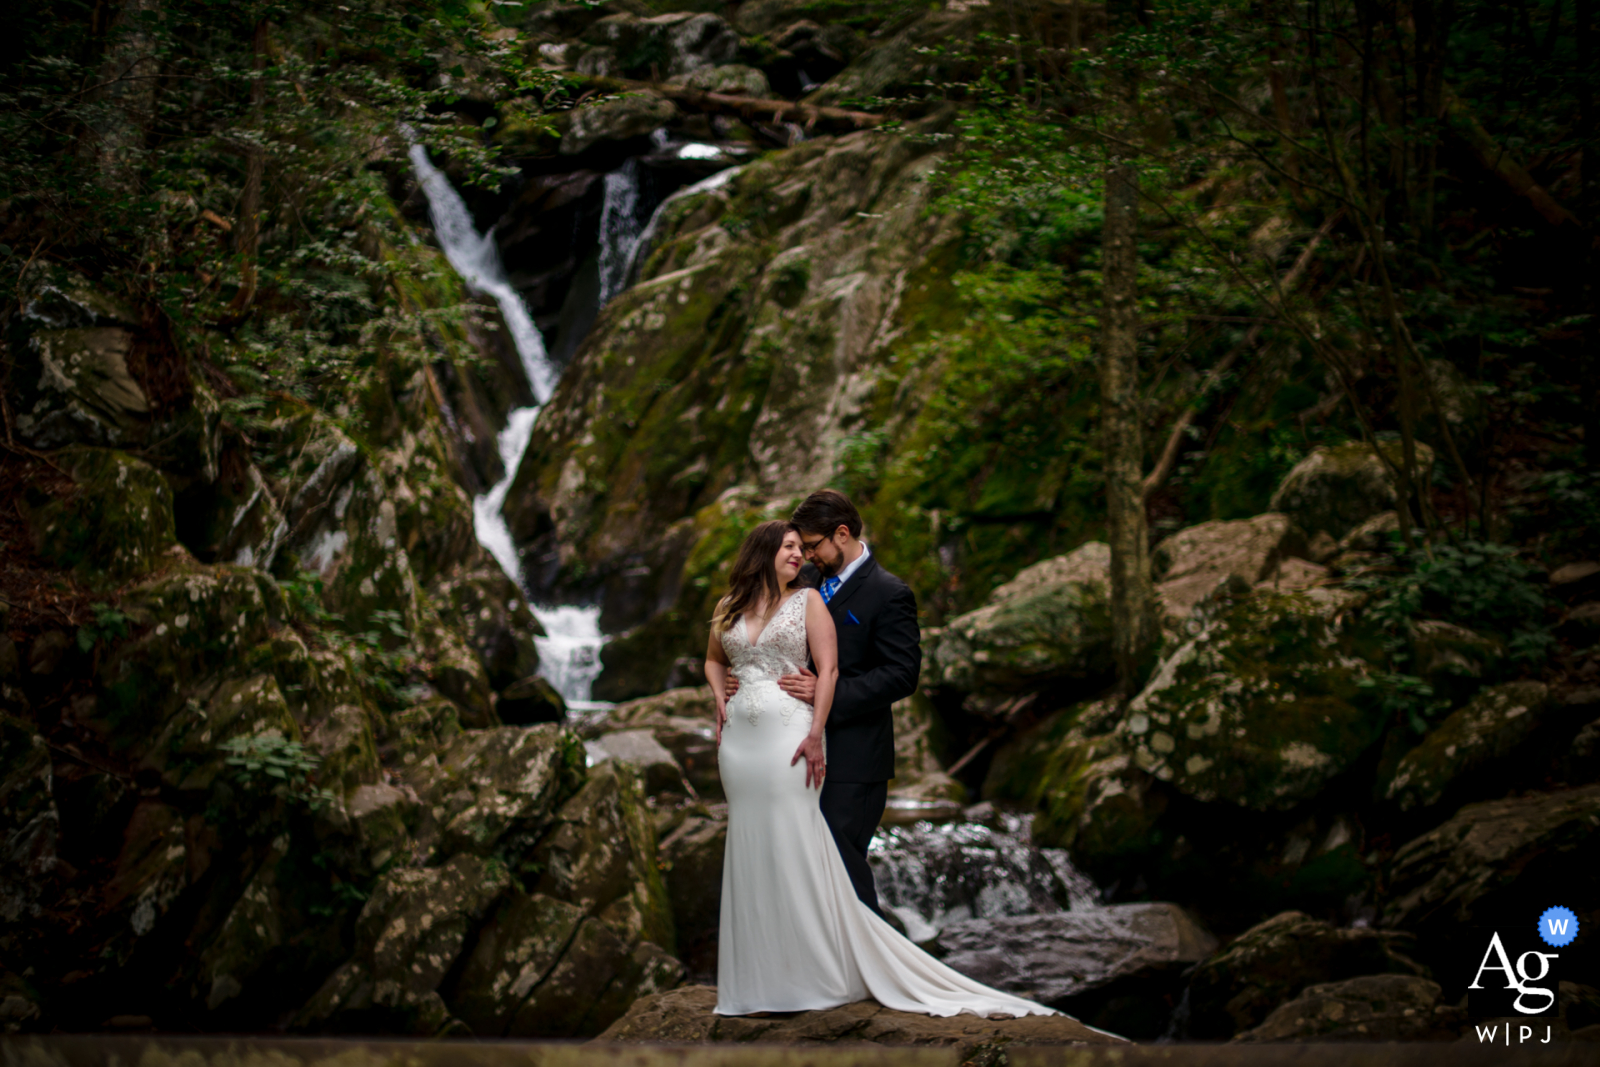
(409, 933)
(1492, 858)
(515, 952)
(1468, 743)
(692, 857)
(684, 1016)
(530, 700)
(1237, 988)
(1381, 1007)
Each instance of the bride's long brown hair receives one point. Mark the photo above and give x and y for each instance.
(755, 573)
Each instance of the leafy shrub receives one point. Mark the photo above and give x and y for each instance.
(278, 765)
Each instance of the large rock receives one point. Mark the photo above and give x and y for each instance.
(1090, 796)
(1263, 707)
(1216, 559)
(1058, 958)
(408, 936)
(600, 854)
(680, 720)
(691, 857)
(1467, 744)
(640, 748)
(115, 525)
(669, 45)
(491, 783)
(1050, 624)
(1382, 1007)
(1267, 965)
(1497, 858)
(684, 1017)
(1338, 487)
(617, 120)
(73, 383)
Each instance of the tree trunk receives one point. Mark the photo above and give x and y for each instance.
(1132, 618)
(254, 171)
(127, 94)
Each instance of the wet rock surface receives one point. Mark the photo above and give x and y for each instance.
(684, 1016)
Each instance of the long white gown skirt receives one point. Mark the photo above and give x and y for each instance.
(793, 935)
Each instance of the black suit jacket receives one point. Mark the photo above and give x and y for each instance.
(880, 657)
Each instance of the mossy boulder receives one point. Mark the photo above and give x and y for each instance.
(1051, 625)
(1337, 487)
(1262, 708)
(1270, 963)
(344, 740)
(423, 731)
(733, 79)
(117, 522)
(187, 625)
(668, 45)
(1090, 796)
(152, 870)
(409, 934)
(1453, 659)
(187, 753)
(513, 956)
(621, 119)
(1464, 747)
(1217, 559)
(491, 784)
(600, 854)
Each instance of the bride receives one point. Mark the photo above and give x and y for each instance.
(794, 936)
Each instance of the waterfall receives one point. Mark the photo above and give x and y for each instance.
(619, 228)
(641, 246)
(477, 259)
(932, 875)
(569, 654)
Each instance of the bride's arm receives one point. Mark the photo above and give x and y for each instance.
(824, 642)
(717, 675)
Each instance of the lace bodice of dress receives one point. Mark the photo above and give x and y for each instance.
(779, 649)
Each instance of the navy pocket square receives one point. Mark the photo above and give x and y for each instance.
(852, 617)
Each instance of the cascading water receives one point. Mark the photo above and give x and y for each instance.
(619, 228)
(933, 875)
(569, 654)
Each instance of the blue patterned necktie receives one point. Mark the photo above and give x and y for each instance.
(830, 586)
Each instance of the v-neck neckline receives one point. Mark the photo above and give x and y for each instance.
(757, 639)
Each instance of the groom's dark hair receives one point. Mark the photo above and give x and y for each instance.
(825, 511)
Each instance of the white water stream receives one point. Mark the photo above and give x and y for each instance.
(569, 653)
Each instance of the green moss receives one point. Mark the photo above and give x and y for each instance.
(1262, 708)
(117, 522)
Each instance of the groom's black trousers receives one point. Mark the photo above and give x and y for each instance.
(852, 810)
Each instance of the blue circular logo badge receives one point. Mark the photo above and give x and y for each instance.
(1558, 926)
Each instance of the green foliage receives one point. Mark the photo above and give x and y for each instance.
(109, 624)
(1405, 697)
(271, 763)
(1479, 585)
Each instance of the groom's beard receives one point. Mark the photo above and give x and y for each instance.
(828, 570)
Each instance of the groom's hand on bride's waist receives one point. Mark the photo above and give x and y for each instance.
(802, 686)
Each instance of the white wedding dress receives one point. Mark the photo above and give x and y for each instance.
(793, 936)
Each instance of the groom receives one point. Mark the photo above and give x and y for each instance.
(880, 656)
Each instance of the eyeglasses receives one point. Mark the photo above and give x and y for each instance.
(809, 547)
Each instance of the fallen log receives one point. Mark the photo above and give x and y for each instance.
(747, 108)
